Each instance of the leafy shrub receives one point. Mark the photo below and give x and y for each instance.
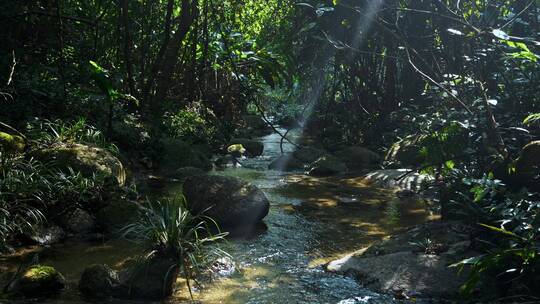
(511, 238)
(192, 126)
(30, 190)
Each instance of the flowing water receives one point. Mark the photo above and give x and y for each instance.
(311, 222)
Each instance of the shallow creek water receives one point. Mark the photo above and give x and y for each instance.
(311, 222)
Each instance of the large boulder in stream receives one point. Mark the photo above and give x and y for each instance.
(99, 281)
(38, 281)
(308, 155)
(358, 157)
(327, 165)
(86, 159)
(231, 202)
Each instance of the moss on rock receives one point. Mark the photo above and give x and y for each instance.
(11, 143)
(86, 159)
(38, 280)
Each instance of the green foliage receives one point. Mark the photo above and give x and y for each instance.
(105, 84)
(442, 147)
(511, 236)
(167, 227)
(192, 126)
(20, 188)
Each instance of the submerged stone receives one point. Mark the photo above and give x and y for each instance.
(99, 281)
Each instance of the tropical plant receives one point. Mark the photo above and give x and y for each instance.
(168, 229)
(43, 132)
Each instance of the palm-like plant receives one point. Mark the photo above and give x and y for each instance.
(170, 230)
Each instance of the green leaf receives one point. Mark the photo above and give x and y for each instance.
(500, 230)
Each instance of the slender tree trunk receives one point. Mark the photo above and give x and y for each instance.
(170, 60)
(127, 46)
(156, 66)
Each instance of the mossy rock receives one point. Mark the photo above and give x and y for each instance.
(252, 147)
(89, 160)
(11, 144)
(37, 281)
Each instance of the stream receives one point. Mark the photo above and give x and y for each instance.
(311, 222)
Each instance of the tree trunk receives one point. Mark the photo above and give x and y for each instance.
(170, 60)
(127, 46)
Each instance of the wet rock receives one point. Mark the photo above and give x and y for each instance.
(252, 147)
(47, 235)
(99, 281)
(413, 262)
(527, 171)
(397, 179)
(117, 214)
(88, 160)
(152, 278)
(227, 161)
(425, 274)
(286, 162)
(358, 157)
(176, 153)
(223, 267)
(308, 155)
(78, 221)
(38, 281)
(327, 165)
(406, 152)
(228, 200)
